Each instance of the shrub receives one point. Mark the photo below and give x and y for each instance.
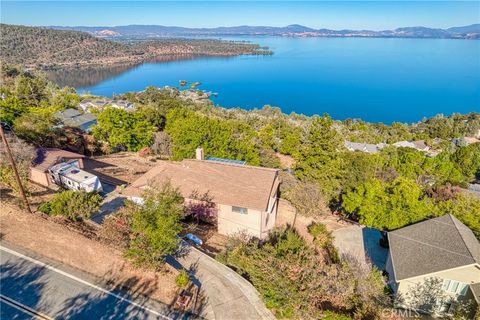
(73, 205)
(296, 281)
(155, 226)
(182, 279)
(322, 237)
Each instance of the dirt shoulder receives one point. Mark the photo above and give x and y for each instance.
(58, 243)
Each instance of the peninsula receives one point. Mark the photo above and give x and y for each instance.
(44, 48)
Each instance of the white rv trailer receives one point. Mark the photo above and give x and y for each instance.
(70, 176)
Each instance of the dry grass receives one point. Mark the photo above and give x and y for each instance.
(60, 243)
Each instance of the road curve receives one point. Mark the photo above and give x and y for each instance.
(229, 296)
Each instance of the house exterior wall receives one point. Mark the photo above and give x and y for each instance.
(467, 274)
(391, 275)
(80, 163)
(268, 220)
(39, 177)
(230, 222)
(255, 222)
(43, 178)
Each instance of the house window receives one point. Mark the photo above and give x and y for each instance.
(452, 286)
(239, 210)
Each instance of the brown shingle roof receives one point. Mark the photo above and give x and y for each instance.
(230, 184)
(430, 246)
(47, 157)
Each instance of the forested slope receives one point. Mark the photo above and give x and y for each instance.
(42, 47)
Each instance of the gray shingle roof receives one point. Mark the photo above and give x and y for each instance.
(476, 291)
(430, 246)
(73, 118)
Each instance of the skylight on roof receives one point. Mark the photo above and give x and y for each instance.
(240, 162)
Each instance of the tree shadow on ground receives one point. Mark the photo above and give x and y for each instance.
(117, 303)
(373, 251)
(104, 171)
(22, 282)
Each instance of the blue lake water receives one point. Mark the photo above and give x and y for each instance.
(379, 80)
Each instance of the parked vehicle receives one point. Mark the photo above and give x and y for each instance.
(193, 238)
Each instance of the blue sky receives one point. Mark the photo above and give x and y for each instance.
(374, 15)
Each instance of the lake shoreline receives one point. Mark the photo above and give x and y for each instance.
(377, 80)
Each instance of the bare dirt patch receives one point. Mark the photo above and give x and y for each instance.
(286, 216)
(285, 161)
(119, 168)
(59, 243)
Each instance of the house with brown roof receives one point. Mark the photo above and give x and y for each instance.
(245, 196)
(443, 249)
(47, 158)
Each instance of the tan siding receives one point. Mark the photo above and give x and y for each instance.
(232, 222)
(39, 177)
(467, 274)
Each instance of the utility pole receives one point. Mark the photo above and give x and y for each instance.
(12, 162)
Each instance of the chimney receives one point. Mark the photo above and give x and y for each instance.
(199, 154)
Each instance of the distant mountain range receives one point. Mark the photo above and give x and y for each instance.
(294, 30)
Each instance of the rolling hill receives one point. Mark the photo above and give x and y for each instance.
(47, 48)
(157, 31)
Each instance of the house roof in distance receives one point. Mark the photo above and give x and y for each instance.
(433, 245)
(228, 183)
(47, 157)
(73, 118)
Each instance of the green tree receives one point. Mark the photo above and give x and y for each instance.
(465, 208)
(387, 206)
(182, 278)
(10, 109)
(468, 160)
(320, 159)
(155, 226)
(219, 138)
(31, 89)
(38, 126)
(123, 129)
(291, 140)
(64, 98)
(73, 205)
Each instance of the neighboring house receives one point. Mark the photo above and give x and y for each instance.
(364, 147)
(48, 157)
(441, 248)
(70, 176)
(419, 145)
(122, 104)
(464, 141)
(73, 118)
(474, 189)
(246, 197)
(87, 104)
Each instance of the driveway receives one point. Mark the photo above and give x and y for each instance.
(229, 296)
(362, 243)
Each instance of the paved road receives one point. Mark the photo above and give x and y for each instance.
(60, 294)
(229, 296)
